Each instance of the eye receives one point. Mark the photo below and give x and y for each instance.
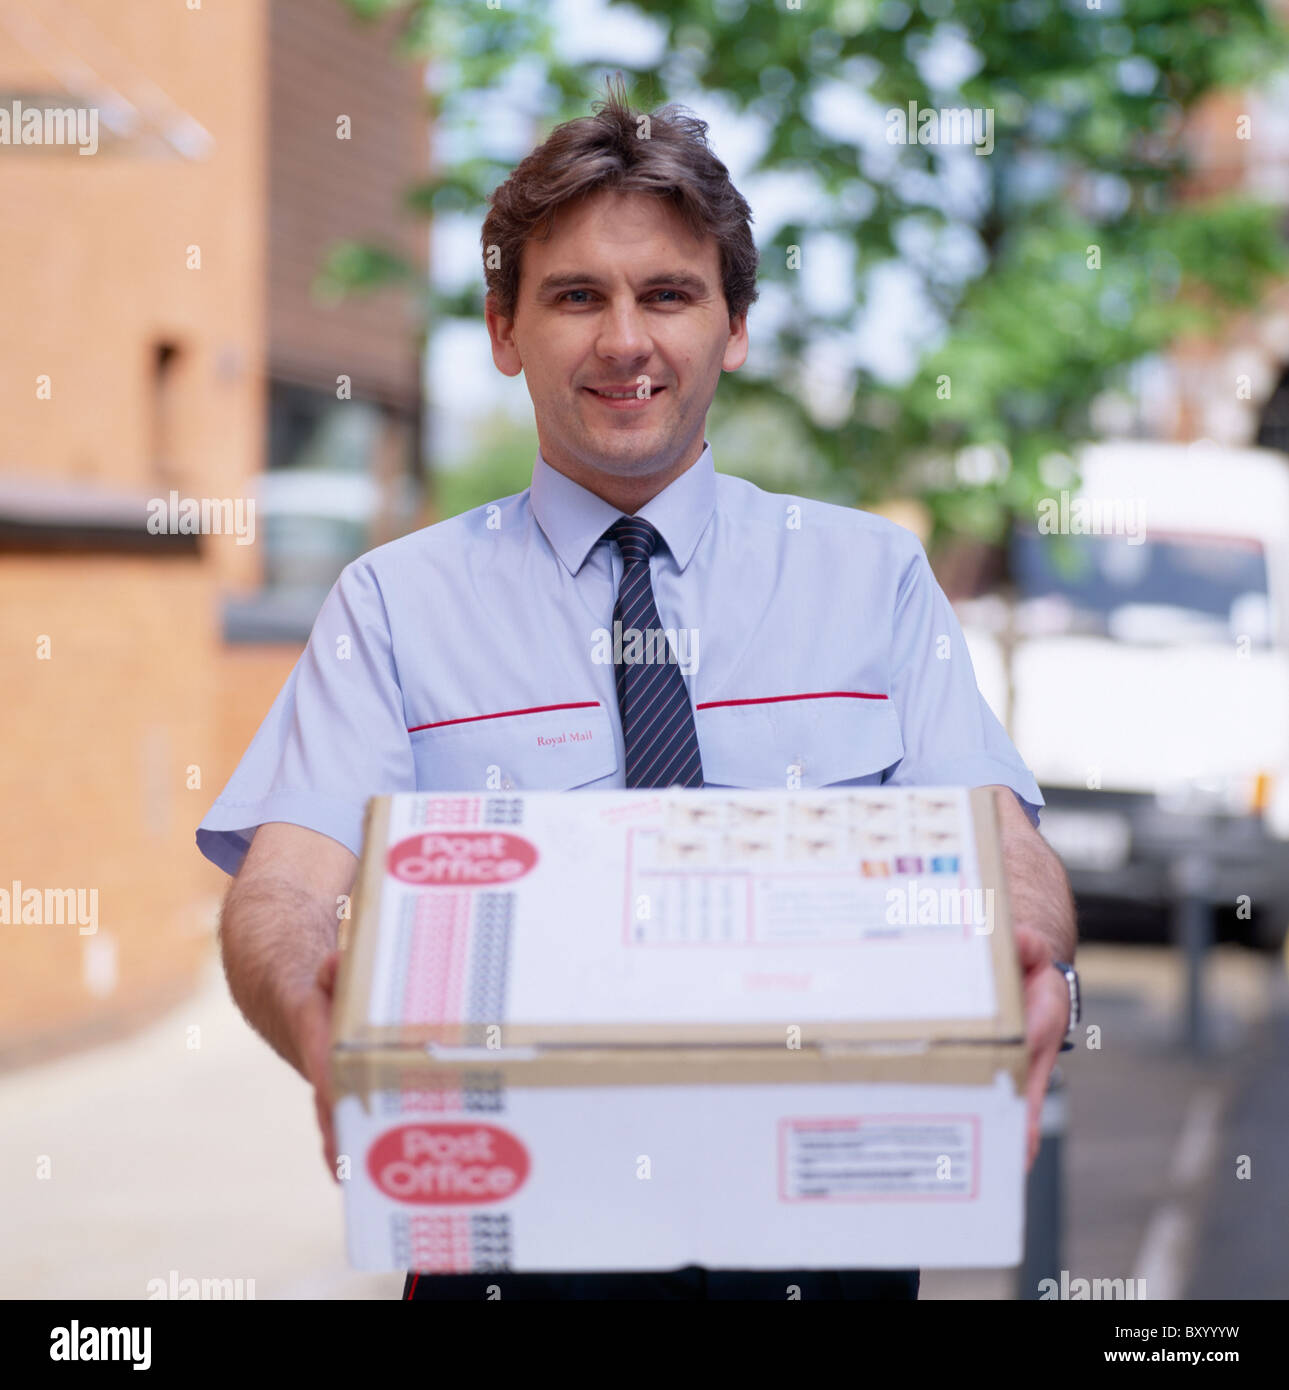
(679, 297)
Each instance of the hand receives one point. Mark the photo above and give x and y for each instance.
(1047, 1019)
(312, 1031)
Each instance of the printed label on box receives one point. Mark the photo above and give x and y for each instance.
(931, 1157)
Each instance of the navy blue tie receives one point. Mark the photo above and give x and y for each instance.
(657, 719)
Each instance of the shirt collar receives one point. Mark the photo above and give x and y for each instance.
(573, 518)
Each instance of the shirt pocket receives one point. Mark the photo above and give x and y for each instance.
(819, 741)
(544, 749)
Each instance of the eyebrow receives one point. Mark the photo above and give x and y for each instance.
(672, 279)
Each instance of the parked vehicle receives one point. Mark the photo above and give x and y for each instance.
(1142, 669)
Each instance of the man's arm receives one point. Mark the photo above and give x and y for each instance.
(278, 939)
(1037, 886)
(1043, 921)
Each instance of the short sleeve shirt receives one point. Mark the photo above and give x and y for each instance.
(816, 645)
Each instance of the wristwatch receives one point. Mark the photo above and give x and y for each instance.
(1076, 1009)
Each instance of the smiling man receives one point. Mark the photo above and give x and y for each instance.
(622, 330)
(620, 269)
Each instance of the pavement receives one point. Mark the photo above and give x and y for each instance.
(190, 1147)
(1243, 1226)
(189, 1151)
(1155, 1136)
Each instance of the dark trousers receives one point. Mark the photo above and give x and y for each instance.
(691, 1284)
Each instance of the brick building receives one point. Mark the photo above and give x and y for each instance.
(164, 341)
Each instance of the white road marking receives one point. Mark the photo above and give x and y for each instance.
(1164, 1254)
(1163, 1260)
(1197, 1146)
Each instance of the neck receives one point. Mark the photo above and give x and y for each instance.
(628, 494)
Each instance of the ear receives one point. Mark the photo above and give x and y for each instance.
(736, 345)
(501, 332)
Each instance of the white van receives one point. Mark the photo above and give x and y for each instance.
(1143, 673)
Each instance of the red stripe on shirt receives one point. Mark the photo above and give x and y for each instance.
(508, 713)
(775, 699)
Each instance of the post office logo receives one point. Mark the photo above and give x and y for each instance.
(448, 1164)
(462, 859)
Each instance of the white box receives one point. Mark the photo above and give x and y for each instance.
(633, 1030)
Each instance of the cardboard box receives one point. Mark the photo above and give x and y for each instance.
(635, 1030)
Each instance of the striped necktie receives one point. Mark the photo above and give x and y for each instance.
(657, 720)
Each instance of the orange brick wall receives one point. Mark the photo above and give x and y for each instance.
(138, 699)
(95, 265)
(99, 742)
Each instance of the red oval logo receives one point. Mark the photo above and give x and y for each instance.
(461, 859)
(448, 1164)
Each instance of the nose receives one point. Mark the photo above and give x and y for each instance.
(624, 334)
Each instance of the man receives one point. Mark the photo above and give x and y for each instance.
(620, 268)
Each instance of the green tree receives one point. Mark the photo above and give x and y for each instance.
(1075, 253)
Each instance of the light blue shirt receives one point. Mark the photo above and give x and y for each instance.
(477, 653)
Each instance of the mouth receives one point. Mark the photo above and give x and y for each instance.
(623, 397)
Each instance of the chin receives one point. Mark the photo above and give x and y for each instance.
(625, 456)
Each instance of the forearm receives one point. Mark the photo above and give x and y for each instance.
(1037, 886)
(273, 939)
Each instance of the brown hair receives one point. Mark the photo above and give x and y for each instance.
(664, 154)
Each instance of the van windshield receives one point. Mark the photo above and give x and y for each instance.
(1166, 588)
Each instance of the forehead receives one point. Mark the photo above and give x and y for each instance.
(627, 231)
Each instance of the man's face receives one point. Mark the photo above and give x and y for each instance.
(621, 330)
